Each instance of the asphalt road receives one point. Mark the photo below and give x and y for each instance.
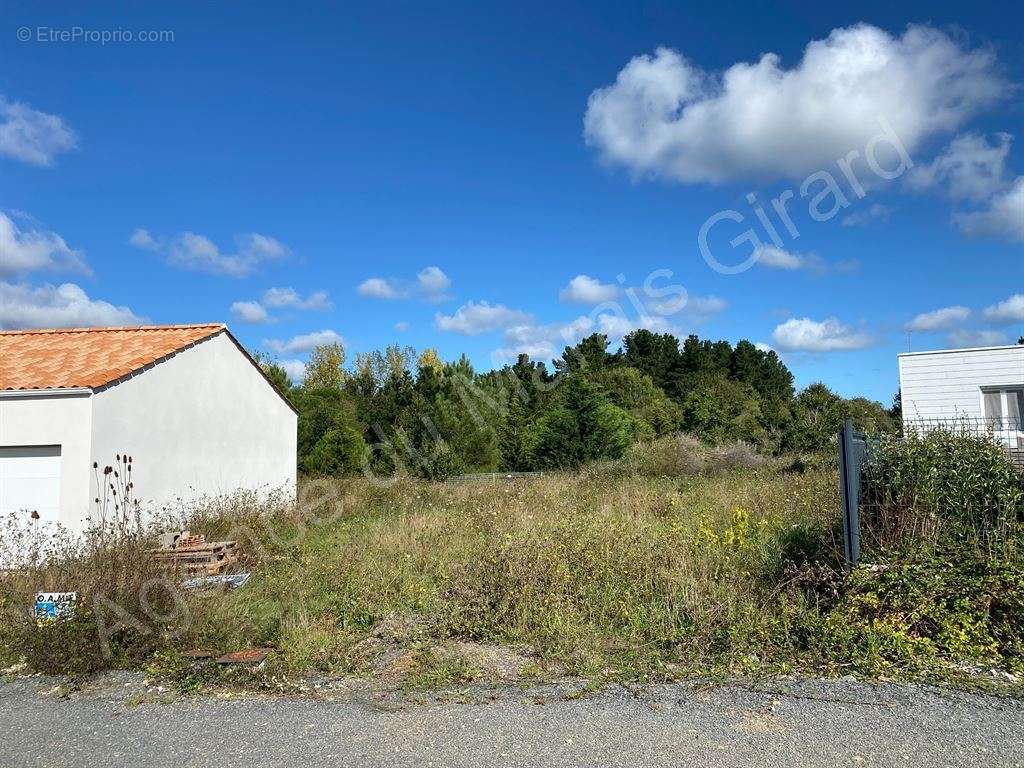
(791, 724)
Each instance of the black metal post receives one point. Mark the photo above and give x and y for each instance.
(849, 490)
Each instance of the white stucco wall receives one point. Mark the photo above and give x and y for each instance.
(55, 419)
(202, 423)
(948, 383)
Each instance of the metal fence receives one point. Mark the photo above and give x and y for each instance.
(1007, 431)
(492, 477)
(978, 483)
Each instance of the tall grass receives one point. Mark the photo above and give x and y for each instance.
(674, 560)
(592, 571)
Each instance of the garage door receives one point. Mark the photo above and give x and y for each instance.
(30, 480)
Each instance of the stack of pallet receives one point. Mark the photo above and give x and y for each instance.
(194, 554)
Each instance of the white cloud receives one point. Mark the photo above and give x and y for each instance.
(35, 249)
(778, 258)
(261, 247)
(584, 289)
(141, 238)
(64, 306)
(764, 347)
(615, 326)
(938, 319)
(876, 212)
(401, 326)
(249, 312)
(433, 283)
(542, 341)
(698, 309)
(199, 253)
(806, 335)
(1004, 216)
(1009, 311)
(32, 136)
(540, 350)
(296, 370)
(304, 343)
(965, 338)
(379, 288)
(548, 341)
(475, 318)
(974, 169)
(289, 298)
(970, 168)
(672, 315)
(695, 309)
(664, 116)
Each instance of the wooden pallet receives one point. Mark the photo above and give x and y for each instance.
(196, 556)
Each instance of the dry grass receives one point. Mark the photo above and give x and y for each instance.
(681, 560)
(595, 573)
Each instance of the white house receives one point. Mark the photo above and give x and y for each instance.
(186, 402)
(983, 386)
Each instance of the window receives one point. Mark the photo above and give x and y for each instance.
(1004, 410)
(993, 404)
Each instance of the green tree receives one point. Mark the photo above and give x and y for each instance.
(763, 370)
(818, 414)
(330, 439)
(870, 416)
(580, 425)
(513, 434)
(896, 410)
(590, 355)
(721, 410)
(653, 412)
(656, 355)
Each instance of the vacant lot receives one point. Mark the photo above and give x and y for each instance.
(586, 574)
(717, 565)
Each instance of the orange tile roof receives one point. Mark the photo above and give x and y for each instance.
(89, 357)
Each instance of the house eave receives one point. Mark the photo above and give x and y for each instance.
(959, 349)
(15, 394)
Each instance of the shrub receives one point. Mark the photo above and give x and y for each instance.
(683, 455)
(680, 455)
(953, 605)
(738, 455)
(945, 483)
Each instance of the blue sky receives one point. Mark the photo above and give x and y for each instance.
(496, 178)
